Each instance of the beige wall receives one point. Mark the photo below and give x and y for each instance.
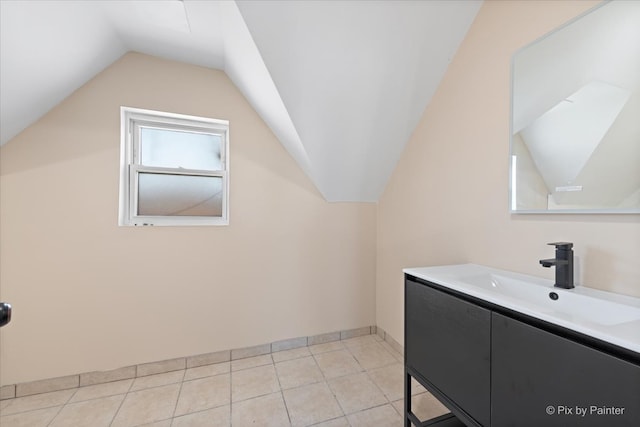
(89, 295)
(447, 201)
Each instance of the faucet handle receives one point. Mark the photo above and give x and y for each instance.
(562, 245)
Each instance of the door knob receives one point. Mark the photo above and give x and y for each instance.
(5, 313)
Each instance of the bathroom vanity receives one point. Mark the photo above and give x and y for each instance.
(504, 349)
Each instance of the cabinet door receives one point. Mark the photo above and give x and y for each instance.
(541, 379)
(448, 343)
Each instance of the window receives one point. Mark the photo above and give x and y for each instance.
(174, 169)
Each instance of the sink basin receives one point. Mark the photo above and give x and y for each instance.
(607, 316)
(570, 304)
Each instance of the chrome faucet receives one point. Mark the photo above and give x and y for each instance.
(563, 263)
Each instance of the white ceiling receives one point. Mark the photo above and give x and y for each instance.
(342, 84)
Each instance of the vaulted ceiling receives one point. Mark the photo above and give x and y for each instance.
(342, 84)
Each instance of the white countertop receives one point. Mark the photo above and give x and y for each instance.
(607, 316)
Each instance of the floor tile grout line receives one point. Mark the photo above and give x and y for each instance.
(286, 408)
(251, 367)
(330, 419)
(281, 390)
(153, 422)
(4, 414)
(207, 376)
(293, 358)
(82, 402)
(266, 394)
(387, 401)
(17, 414)
(381, 366)
(374, 381)
(373, 407)
(396, 409)
(378, 387)
(99, 397)
(56, 415)
(122, 402)
(365, 371)
(329, 351)
(344, 414)
(324, 377)
(199, 411)
(64, 404)
(216, 406)
(175, 407)
(155, 386)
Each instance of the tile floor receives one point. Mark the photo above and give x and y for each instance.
(354, 382)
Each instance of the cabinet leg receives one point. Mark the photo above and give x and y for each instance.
(407, 398)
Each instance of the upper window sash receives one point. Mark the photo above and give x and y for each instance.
(138, 127)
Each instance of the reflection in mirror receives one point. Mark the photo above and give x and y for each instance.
(575, 143)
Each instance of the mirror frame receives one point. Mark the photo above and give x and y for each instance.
(510, 162)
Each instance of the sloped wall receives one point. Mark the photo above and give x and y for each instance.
(447, 201)
(89, 295)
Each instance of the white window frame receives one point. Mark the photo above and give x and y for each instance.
(131, 121)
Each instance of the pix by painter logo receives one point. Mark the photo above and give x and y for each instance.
(582, 411)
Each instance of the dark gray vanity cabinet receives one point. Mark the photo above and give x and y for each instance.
(542, 379)
(448, 345)
(495, 367)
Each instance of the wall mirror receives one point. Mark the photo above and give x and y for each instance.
(575, 116)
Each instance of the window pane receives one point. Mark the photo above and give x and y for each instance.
(178, 149)
(179, 195)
